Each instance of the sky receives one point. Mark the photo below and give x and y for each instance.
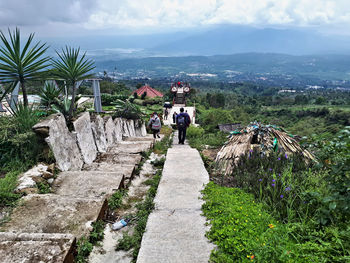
(64, 18)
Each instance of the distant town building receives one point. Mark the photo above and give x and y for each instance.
(314, 87)
(287, 91)
(151, 92)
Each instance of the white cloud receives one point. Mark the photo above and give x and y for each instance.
(167, 14)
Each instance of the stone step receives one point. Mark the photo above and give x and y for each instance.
(34, 247)
(131, 147)
(51, 213)
(90, 184)
(113, 160)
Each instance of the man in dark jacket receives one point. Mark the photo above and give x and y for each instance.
(183, 121)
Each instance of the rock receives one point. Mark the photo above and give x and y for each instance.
(98, 131)
(36, 247)
(85, 138)
(118, 131)
(50, 181)
(131, 127)
(27, 182)
(125, 128)
(62, 142)
(51, 168)
(109, 130)
(47, 175)
(140, 128)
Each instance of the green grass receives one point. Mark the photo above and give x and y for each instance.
(7, 187)
(243, 231)
(133, 240)
(85, 245)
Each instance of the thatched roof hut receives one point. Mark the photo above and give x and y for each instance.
(257, 137)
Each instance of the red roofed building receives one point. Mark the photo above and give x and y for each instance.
(151, 93)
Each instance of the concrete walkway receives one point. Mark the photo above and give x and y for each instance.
(176, 108)
(175, 230)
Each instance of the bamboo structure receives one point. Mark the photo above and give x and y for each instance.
(257, 137)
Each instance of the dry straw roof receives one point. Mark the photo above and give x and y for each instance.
(263, 138)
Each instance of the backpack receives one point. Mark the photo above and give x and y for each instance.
(156, 123)
(181, 121)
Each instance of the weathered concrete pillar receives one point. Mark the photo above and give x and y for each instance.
(109, 129)
(118, 131)
(131, 128)
(98, 131)
(61, 141)
(140, 128)
(125, 128)
(85, 138)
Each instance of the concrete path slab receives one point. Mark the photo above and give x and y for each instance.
(52, 213)
(33, 247)
(176, 230)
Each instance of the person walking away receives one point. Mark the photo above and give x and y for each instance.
(183, 121)
(155, 124)
(166, 113)
(174, 117)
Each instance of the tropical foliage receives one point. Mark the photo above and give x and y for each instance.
(128, 110)
(49, 94)
(72, 67)
(21, 64)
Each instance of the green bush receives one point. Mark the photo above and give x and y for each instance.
(108, 99)
(128, 110)
(194, 132)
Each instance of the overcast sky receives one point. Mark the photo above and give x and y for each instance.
(86, 17)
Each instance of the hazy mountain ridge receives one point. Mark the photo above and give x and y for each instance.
(325, 67)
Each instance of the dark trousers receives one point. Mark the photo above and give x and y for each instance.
(182, 135)
(155, 132)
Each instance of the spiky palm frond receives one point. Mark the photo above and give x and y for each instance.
(21, 64)
(71, 68)
(48, 94)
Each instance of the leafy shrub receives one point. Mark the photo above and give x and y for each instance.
(84, 248)
(284, 183)
(127, 110)
(115, 201)
(108, 99)
(48, 94)
(334, 158)
(194, 132)
(198, 138)
(25, 117)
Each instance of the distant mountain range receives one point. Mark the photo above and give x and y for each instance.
(225, 51)
(218, 40)
(226, 67)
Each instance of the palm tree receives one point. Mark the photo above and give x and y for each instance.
(72, 69)
(21, 64)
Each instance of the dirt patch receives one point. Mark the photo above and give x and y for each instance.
(211, 153)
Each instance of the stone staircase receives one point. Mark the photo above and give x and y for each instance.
(96, 159)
